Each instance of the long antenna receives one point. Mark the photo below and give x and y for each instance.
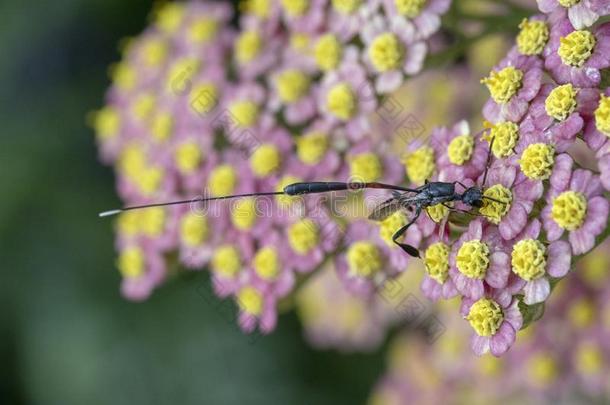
(491, 144)
(192, 200)
(291, 189)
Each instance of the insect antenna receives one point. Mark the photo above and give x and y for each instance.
(291, 190)
(491, 144)
(192, 200)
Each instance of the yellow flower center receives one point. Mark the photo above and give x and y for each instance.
(204, 97)
(542, 369)
(504, 84)
(561, 102)
(169, 17)
(582, 313)
(505, 136)
(107, 123)
(569, 210)
(162, 126)
(244, 214)
(537, 161)
(245, 112)
(473, 259)
(485, 317)
(386, 52)
(222, 180)
(312, 147)
(495, 211)
(576, 48)
(295, 8)
(460, 149)
(364, 259)
(143, 106)
(420, 164)
(128, 223)
(300, 42)
(265, 160)
(248, 46)
(131, 262)
(187, 157)
(132, 161)
(602, 115)
(267, 263)
(149, 179)
(154, 52)
(203, 30)
(123, 76)
(529, 259)
(389, 226)
(303, 236)
(410, 8)
(152, 221)
(194, 229)
(533, 37)
(181, 73)
(437, 212)
(341, 101)
(250, 300)
(259, 8)
(226, 261)
(292, 85)
(366, 167)
(589, 359)
(327, 52)
(346, 6)
(568, 3)
(436, 260)
(287, 200)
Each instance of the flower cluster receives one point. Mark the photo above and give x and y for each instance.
(541, 207)
(563, 358)
(200, 109)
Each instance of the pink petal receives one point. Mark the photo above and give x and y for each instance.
(502, 340)
(480, 344)
(536, 291)
(559, 257)
(499, 269)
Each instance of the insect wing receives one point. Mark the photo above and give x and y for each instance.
(385, 209)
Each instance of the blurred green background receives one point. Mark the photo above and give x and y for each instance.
(67, 336)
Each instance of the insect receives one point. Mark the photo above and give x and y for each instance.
(403, 198)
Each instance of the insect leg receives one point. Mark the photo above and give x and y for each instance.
(410, 250)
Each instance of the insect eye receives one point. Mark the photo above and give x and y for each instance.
(478, 203)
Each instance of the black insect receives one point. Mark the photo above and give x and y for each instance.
(410, 199)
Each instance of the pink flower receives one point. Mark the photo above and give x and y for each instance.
(478, 258)
(577, 56)
(256, 308)
(394, 37)
(522, 193)
(597, 128)
(437, 283)
(534, 262)
(558, 122)
(582, 13)
(426, 20)
(369, 261)
(575, 203)
(513, 83)
(346, 97)
(459, 154)
(498, 319)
